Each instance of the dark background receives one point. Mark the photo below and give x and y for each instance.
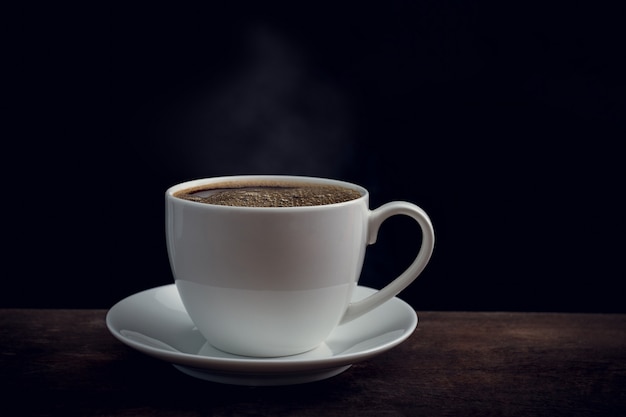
(504, 123)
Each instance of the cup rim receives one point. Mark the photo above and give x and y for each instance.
(281, 178)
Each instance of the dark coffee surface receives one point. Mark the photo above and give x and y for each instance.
(271, 195)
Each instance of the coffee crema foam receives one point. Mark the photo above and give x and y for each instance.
(269, 194)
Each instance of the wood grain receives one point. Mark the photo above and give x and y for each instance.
(64, 362)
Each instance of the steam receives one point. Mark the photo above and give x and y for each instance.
(270, 116)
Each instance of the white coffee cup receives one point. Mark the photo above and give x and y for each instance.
(275, 281)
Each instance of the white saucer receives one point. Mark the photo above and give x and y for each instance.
(156, 323)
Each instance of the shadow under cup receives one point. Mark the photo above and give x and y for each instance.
(271, 281)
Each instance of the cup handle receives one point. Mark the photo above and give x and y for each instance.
(376, 218)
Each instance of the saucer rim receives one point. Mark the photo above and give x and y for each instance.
(252, 365)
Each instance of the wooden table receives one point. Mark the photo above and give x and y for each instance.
(65, 362)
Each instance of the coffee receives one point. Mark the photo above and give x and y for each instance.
(269, 194)
(273, 278)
